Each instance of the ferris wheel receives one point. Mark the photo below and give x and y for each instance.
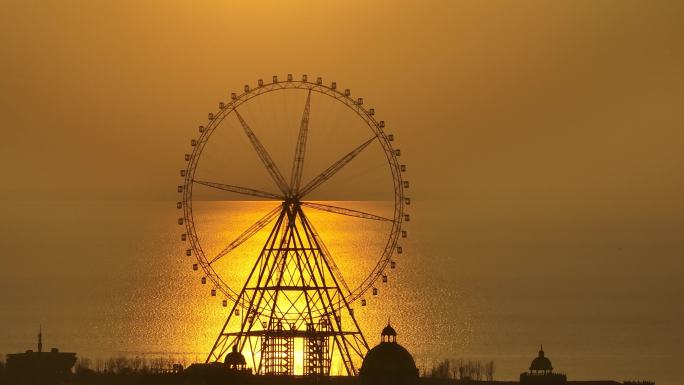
(293, 257)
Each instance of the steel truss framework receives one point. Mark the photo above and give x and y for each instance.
(299, 290)
(294, 290)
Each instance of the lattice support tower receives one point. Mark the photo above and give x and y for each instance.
(293, 294)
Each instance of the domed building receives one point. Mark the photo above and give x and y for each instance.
(541, 371)
(388, 363)
(235, 360)
(233, 370)
(541, 365)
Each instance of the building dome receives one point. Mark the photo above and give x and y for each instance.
(235, 359)
(388, 363)
(541, 363)
(388, 331)
(541, 372)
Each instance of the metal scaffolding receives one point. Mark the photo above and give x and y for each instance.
(293, 294)
(316, 349)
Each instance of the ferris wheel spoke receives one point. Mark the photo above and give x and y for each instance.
(345, 211)
(240, 190)
(300, 150)
(264, 156)
(255, 228)
(334, 168)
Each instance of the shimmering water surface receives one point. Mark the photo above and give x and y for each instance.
(480, 279)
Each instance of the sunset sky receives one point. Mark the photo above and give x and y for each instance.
(574, 100)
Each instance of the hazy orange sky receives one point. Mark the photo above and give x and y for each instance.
(543, 138)
(522, 100)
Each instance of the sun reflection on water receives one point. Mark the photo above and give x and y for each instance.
(356, 244)
(143, 298)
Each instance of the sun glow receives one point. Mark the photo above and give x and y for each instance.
(355, 244)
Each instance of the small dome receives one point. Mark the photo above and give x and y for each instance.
(390, 358)
(389, 331)
(235, 358)
(541, 363)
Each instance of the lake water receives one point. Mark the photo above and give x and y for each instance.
(487, 280)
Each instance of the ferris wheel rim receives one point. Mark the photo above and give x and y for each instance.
(367, 115)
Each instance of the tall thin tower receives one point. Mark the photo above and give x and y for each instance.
(40, 339)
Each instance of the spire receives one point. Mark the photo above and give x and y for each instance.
(40, 339)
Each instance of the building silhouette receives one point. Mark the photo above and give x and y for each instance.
(388, 363)
(39, 368)
(541, 372)
(236, 362)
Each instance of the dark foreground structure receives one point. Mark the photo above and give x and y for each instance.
(388, 363)
(541, 373)
(39, 368)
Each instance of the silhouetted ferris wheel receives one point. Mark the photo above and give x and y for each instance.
(295, 290)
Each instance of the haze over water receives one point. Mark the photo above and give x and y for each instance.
(109, 278)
